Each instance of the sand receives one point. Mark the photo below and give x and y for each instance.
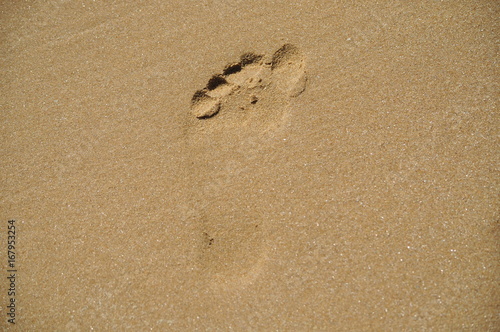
(250, 165)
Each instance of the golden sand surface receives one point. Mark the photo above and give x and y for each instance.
(240, 165)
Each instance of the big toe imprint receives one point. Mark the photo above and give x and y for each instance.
(288, 70)
(255, 83)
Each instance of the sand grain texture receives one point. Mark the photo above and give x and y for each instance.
(285, 165)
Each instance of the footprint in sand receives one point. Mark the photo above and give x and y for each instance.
(236, 109)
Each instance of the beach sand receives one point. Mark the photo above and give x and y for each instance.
(250, 165)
